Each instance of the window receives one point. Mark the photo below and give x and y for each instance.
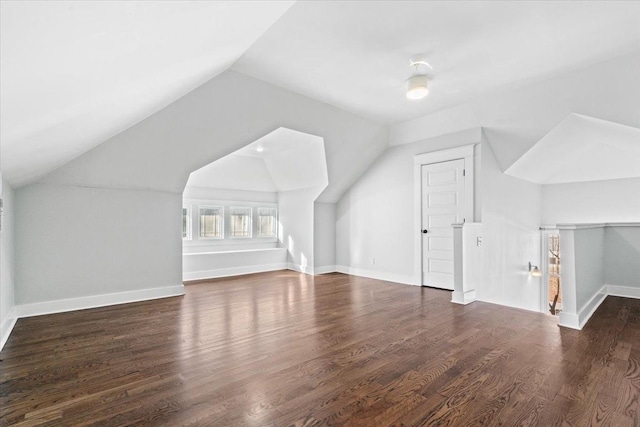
(211, 219)
(240, 222)
(267, 225)
(186, 223)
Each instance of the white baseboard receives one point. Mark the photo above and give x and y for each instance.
(379, 275)
(7, 326)
(464, 298)
(299, 268)
(233, 271)
(94, 301)
(623, 291)
(577, 321)
(569, 320)
(591, 306)
(324, 270)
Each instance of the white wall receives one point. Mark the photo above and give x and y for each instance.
(616, 200)
(511, 219)
(324, 235)
(98, 235)
(234, 172)
(7, 259)
(201, 265)
(374, 218)
(296, 227)
(589, 264)
(622, 256)
(201, 193)
(216, 119)
(77, 242)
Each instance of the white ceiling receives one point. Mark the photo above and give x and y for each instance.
(289, 160)
(581, 148)
(354, 54)
(74, 73)
(234, 172)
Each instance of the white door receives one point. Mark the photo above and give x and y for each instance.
(442, 205)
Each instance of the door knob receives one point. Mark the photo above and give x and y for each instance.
(424, 231)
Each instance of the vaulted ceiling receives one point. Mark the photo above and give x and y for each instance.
(73, 74)
(355, 54)
(282, 160)
(581, 148)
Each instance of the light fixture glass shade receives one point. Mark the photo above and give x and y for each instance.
(417, 86)
(534, 271)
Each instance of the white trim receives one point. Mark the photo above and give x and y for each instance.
(464, 298)
(379, 275)
(7, 326)
(299, 268)
(623, 291)
(569, 320)
(591, 306)
(231, 271)
(544, 266)
(231, 236)
(444, 155)
(324, 270)
(497, 302)
(235, 251)
(94, 301)
(465, 152)
(577, 321)
(256, 219)
(586, 226)
(189, 224)
(197, 236)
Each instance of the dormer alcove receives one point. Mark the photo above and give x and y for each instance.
(252, 210)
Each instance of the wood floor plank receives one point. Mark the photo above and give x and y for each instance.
(285, 349)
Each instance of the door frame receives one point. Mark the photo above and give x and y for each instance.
(465, 152)
(545, 232)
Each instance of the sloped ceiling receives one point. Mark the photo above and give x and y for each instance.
(581, 148)
(282, 160)
(220, 117)
(74, 73)
(234, 172)
(514, 120)
(355, 54)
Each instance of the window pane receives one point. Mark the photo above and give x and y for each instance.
(185, 216)
(267, 225)
(240, 222)
(211, 222)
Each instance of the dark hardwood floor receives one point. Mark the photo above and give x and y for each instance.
(281, 349)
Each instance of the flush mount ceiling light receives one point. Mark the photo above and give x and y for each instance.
(418, 83)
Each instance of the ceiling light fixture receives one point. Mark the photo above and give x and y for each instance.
(260, 148)
(418, 83)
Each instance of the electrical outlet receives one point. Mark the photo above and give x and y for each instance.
(479, 241)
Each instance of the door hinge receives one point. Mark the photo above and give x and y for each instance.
(464, 172)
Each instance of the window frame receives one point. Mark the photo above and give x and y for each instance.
(189, 223)
(222, 222)
(249, 222)
(275, 219)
